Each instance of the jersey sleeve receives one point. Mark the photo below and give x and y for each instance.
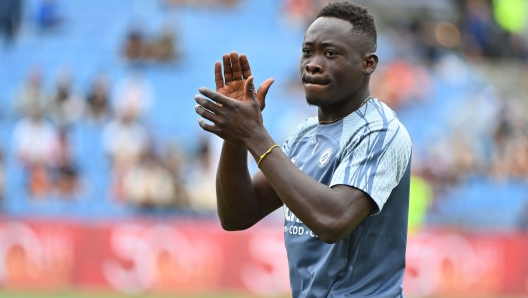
(375, 162)
(286, 146)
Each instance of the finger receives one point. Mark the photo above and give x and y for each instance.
(249, 88)
(244, 63)
(228, 72)
(219, 79)
(215, 96)
(206, 114)
(264, 87)
(208, 127)
(235, 64)
(211, 106)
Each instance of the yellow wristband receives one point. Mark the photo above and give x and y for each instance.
(266, 153)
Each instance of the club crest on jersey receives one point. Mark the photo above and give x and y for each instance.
(325, 157)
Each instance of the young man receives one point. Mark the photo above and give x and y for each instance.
(342, 177)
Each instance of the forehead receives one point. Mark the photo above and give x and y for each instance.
(326, 29)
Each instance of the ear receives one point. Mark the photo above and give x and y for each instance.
(370, 62)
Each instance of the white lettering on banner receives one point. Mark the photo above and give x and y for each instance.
(17, 234)
(144, 246)
(428, 256)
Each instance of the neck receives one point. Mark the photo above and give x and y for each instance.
(343, 108)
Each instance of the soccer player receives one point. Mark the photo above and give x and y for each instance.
(342, 177)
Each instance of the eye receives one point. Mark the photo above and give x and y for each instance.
(306, 51)
(330, 54)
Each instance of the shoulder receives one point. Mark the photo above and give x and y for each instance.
(373, 115)
(376, 123)
(306, 128)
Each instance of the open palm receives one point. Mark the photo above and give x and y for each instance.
(233, 81)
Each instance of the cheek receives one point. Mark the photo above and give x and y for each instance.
(302, 64)
(352, 72)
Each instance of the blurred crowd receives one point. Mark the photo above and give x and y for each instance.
(485, 132)
(142, 174)
(435, 67)
(140, 49)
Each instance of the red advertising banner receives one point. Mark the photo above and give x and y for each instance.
(198, 256)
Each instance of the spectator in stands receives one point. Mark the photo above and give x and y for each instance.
(31, 95)
(478, 27)
(67, 182)
(512, 162)
(134, 50)
(65, 106)
(66, 178)
(139, 49)
(124, 141)
(98, 100)
(163, 48)
(494, 28)
(173, 161)
(10, 18)
(33, 140)
(149, 184)
(401, 82)
(39, 181)
(201, 182)
(511, 142)
(133, 95)
(48, 16)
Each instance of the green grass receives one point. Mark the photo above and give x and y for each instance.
(106, 294)
(97, 294)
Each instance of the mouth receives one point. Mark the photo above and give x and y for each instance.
(315, 81)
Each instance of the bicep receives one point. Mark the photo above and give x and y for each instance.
(356, 206)
(357, 200)
(267, 199)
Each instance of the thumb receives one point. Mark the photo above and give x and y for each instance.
(249, 88)
(263, 90)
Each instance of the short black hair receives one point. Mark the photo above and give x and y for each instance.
(356, 15)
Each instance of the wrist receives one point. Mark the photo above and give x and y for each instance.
(232, 146)
(259, 144)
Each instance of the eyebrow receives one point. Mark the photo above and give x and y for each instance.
(325, 44)
(330, 44)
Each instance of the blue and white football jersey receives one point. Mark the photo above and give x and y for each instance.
(370, 150)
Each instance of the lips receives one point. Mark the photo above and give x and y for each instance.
(315, 80)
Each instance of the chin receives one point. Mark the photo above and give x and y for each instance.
(317, 101)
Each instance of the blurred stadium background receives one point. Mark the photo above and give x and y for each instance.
(107, 182)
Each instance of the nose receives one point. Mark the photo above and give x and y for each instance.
(313, 68)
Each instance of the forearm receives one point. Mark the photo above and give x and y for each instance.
(328, 212)
(236, 200)
(324, 210)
